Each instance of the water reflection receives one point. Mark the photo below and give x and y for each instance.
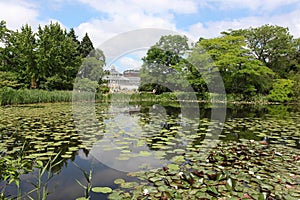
(126, 138)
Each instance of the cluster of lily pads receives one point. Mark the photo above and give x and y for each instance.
(234, 170)
(284, 131)
(262, 162)
(40, 132)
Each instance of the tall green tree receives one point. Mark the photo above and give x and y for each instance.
(57, 59)
(86, 46)
(19, 55)
(71, 34)
(272, 45)
(7, 78)
(241, 72)
(161, 69)
(92, 66)
(4, 42)
(25, 47)
(90, 74)
(3, 31)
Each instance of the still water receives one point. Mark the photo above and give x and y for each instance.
(111, 140)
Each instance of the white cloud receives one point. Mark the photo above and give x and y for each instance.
(17, 13)
(127, 15)
(255, 5)
(130, 63)
(213, 28)
(124, 7)
(100, 30)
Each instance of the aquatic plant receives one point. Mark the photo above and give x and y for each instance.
(233, 170)
(88, 186)
(40, 191)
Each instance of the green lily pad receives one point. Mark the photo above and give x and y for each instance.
(173, 167)
(119, 181)
(103, 190)
(144, 153)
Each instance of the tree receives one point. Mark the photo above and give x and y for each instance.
(4, 32)
(86, 46)
(8, 79)
(272, 45)
(241, 72)
(174, 43)
(56, 57)
(92, 66)
(71, 34)
(161, 69)
(89, 77)
(4, 42)
(20, 55)
(296, 86)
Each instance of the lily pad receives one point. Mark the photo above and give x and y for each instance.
(104, 190)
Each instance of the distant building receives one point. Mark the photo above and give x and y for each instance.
(131, 73)
(117, 81)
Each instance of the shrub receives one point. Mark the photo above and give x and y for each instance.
(282, 90)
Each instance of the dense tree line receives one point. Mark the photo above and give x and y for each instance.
(252, 62)
(47, 59)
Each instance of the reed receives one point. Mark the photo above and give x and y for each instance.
(9, 96)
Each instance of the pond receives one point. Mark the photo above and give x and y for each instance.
(112, 141)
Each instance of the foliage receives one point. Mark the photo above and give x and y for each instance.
(248, 60)
(177, 44)
(231, 171)
(21, 55)
(282, 90)
(159, 70)
(56, 55)
(296, 86)
(48, 59)
(86, 46)
(9, 96)
(88, 178)
(92, 67)
(44, 168)
(86, 85)
(13, 167)
(240, 71)
(272, 45)
(8, 79)
(103, 89)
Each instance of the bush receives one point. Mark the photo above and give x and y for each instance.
(296, 86)
(282, 91)
(85, 85)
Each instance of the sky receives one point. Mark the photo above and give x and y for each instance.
(104, 19)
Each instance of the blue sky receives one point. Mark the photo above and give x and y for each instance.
(103, 19)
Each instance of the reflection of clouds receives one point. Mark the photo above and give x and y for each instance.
(123, 127)
(83, 156)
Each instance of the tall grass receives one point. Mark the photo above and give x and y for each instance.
(10, 96)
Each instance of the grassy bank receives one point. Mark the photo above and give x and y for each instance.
(9, 96)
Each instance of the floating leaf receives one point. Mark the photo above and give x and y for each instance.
(103, 190)
(173, 167)
(119, 181)
(144, 153)
(82, 198)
